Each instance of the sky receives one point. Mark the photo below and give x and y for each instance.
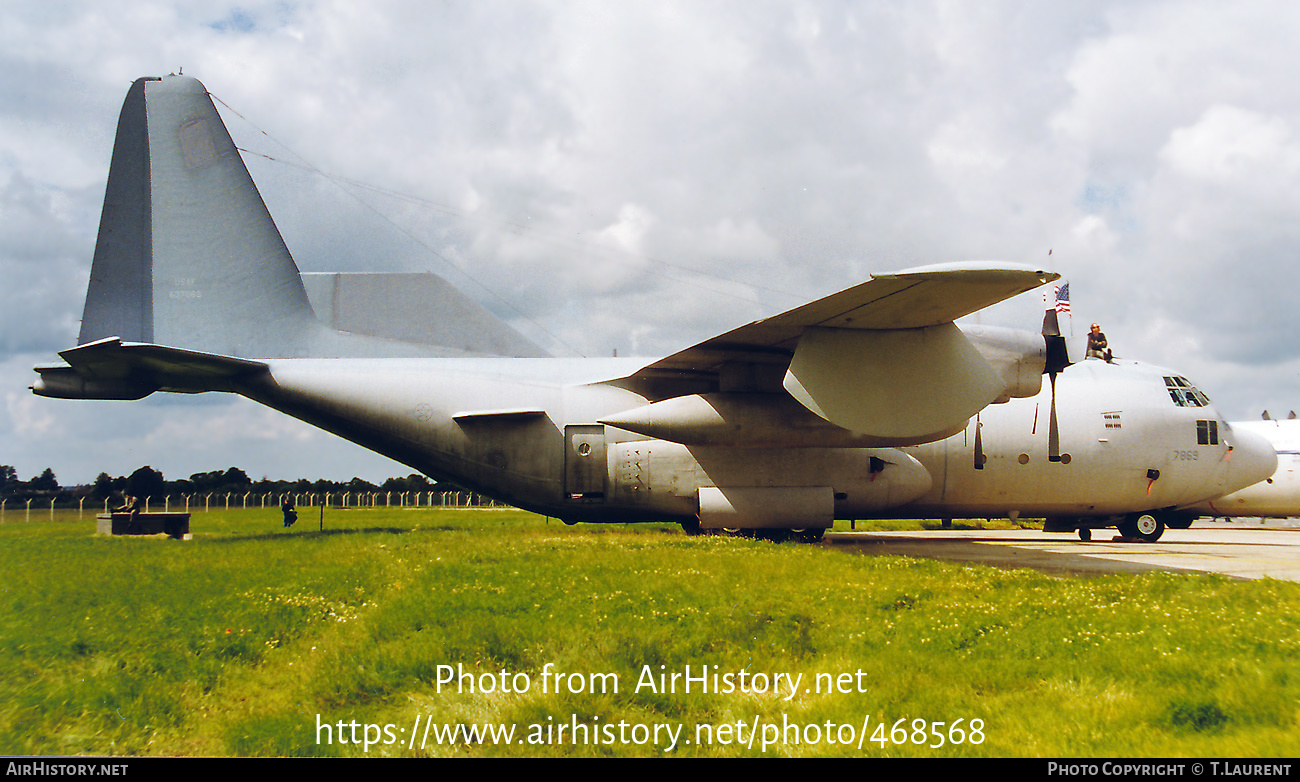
(640, 176)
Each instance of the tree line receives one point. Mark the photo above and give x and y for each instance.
(148, 482)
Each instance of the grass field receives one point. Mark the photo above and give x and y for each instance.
(249, 638)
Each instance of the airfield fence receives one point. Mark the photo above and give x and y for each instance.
(12, 510)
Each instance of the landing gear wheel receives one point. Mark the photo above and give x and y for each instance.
(808, 535)
(1085, 534)
(1147, 526)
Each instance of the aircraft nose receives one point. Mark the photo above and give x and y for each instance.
(1253, 459)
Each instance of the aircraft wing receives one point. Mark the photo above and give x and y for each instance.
(883, 357)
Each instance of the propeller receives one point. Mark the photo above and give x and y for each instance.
(1056, 361)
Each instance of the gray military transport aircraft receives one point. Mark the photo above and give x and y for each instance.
(867, 403)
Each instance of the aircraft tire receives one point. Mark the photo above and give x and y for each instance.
(1179, 522)
(1085, 534)
(808, 534)
(1147, 526)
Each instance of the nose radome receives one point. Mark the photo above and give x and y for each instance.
(1253, 459)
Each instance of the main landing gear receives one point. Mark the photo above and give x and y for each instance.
(1147, 526)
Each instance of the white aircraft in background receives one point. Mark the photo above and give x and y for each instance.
(1277, 496)
(867, 403)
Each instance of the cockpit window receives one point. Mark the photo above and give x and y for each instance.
(1184, 393)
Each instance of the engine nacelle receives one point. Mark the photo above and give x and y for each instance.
(1019, 357)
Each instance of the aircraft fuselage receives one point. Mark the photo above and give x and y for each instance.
(527, 431)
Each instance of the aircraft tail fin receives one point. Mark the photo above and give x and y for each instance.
(188, 257)
(187, 254)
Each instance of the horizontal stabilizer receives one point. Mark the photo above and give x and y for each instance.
(415, 307)
(113, 358)
(112, 369)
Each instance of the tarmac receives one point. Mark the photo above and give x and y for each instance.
(1243, 548)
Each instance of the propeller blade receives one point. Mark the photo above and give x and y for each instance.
(1056, 359)
(1057, 354)
(1051, 324)
(1053, 433)
(979, 445)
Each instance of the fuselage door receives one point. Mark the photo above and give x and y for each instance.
(585, 468)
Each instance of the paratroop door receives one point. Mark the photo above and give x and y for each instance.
(585, 467)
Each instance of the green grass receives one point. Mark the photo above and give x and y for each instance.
(232, 643)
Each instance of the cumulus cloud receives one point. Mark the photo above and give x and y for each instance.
(43, 244)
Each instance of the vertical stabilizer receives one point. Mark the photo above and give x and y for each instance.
(119, 300)
(187, 253)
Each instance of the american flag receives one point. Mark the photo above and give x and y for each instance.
(1062, 295)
